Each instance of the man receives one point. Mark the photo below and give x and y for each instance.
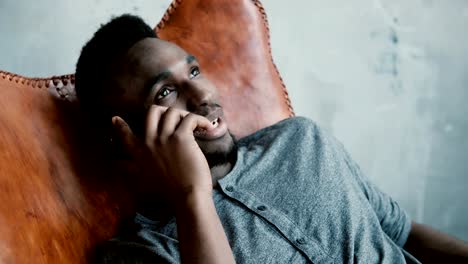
(289, 193)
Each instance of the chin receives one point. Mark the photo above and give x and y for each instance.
(219, 151)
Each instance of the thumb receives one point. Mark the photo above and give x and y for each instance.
(125, 135)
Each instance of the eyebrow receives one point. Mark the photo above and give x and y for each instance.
(164, 75)
(155, 80)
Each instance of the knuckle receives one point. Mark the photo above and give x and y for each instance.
(157, 108)
(191, 117)
(170, 110)
(154, 109)
(178, 136)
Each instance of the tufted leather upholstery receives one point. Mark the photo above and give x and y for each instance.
(57, 200)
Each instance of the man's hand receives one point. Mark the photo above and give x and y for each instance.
(169, 160)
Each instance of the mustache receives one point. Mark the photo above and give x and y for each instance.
(206, 109)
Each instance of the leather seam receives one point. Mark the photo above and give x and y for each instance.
(260, 8)
(57, 81)
(167, 15)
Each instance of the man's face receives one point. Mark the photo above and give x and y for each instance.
(158, 72)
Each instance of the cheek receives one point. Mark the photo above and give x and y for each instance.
(211, 87)
(175, 101)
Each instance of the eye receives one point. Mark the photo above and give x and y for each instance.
(194, 72)
(165, 91)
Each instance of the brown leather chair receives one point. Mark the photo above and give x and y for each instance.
(56, 201)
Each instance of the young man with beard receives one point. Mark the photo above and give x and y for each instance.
(289, 193)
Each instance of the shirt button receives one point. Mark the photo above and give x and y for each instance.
(261, 208)
(229, 188)
(300, 241)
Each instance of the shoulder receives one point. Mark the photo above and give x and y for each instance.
(295, 131)
(293, 124)
(299, 127)
(295, 138)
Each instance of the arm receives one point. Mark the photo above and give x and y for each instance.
(432, 246)
(201, 235)
(423, 242)
(172, 163)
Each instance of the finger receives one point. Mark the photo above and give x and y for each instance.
(152, 123)
(124, 134)
(169, 122)
(192, 122)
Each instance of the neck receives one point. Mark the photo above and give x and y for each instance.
(219, 171)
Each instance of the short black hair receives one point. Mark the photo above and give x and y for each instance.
(95, 64)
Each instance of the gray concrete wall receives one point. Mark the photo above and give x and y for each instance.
(387, 77)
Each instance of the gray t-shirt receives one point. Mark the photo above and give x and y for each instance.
(293, 196)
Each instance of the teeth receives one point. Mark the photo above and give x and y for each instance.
(215, 122)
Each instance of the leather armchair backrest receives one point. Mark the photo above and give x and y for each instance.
(56, 200)
(231, 40)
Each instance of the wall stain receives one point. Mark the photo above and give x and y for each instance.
(388, 60)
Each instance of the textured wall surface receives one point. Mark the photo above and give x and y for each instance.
(388, 78)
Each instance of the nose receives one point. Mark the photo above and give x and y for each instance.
(199, 95)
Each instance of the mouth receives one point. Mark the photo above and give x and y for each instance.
(215, 122)
(218, 129)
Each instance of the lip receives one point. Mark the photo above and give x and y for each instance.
(215, 132)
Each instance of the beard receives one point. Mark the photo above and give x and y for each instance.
(221, 157)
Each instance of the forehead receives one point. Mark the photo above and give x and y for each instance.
(153, 54)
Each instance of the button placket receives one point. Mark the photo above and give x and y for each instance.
(289, 229)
